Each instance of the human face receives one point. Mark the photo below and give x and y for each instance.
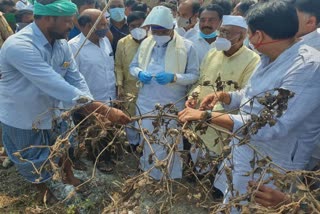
(209, 21)
(162, 32)
(232, 33)
(60, 27)
(185, 11)
(116, 3)
(28, 18)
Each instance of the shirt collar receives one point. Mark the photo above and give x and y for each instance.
(82, 38)
(313, 34)
(41, 38)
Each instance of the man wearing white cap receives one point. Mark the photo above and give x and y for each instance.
(165, 65)
(231, 60)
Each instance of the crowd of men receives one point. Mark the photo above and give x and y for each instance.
(49, 60)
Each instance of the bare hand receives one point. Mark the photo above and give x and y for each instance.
(267, 196)
(190, 114)
(112, 114)
(191, 103)
(117, 116)
(210, 101)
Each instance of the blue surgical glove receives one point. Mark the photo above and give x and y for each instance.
(144, 77)
(164, 78)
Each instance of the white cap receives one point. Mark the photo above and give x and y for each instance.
(234, 20)
(161, 16)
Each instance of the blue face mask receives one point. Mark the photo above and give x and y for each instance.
(117, 14)
(208, 36)
(102, 32)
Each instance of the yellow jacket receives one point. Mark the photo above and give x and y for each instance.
(126, 50)
(237, 67)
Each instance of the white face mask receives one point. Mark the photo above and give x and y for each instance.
(138, 33)
(222, 44)
(161, 40)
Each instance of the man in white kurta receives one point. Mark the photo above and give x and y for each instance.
(165, 65)
(95, 60)
(210, 18)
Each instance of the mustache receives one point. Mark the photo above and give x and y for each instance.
(209, 28)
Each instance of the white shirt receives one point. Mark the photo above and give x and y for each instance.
(190, 33)
(97, 66)
(201, 45)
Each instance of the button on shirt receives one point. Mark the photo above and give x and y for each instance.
(201, 45)
(35, 76)
(96, 63)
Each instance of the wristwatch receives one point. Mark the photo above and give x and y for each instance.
(207, 115)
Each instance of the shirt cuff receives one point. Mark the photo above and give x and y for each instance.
(136, 71)
(234, 102)
(238, 121)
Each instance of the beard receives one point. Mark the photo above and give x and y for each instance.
(56, 35)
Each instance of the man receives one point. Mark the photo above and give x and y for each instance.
(286, 64)
(95, 60)
(170, 59)
(126, 50)
(32, 87)
(81, 5)
(128, 6)
(242, 8)
(118, 24)
(23, 18)
(209, 21)
(187, 20)
(7, 6)
(235, 62)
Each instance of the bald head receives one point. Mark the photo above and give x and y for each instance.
(189, 9)
(88, 16)
(87, 19)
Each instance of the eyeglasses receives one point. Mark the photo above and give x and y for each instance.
(227, 34)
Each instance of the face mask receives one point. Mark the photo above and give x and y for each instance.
(138, 33)
(161, 40)
(117, 14)
(222, 44)
(183, 22)
(102, 32)
(208, 36)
